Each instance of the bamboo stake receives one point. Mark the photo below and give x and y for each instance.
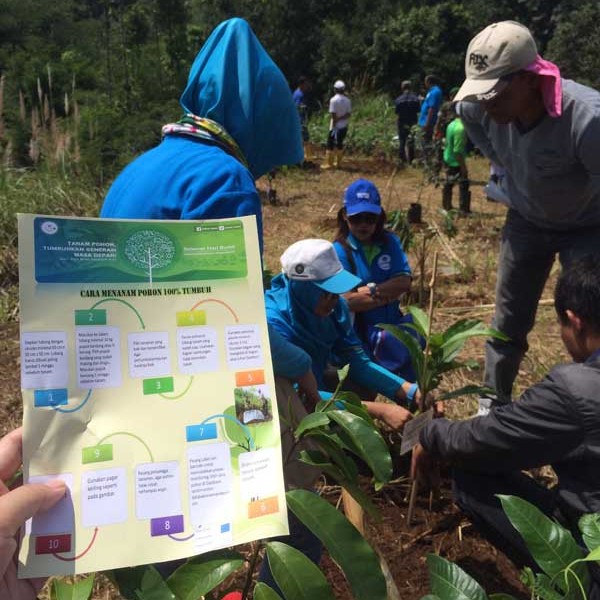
(446, 243)
(355, 514)
(414, 488)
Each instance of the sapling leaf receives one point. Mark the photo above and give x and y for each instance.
(153, 586)
(263, 592)
(344, 543)
(311, 421)
(450, 582)
(296, 575)
(366, 442)
(463, 391)
(501, 596)
(330, 446)
(201, 574)
(551, 545)
(544, 589)
(420, 319)
(79, 590)
(589, 525)
(317, 459)
(412, 345)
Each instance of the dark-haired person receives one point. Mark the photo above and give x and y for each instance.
(301, 102)
(430, 107)
(376, 256)
(545, 132)
(555, 422)
(406, 106)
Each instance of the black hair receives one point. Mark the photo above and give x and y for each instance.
(578, 290)
(432, 79)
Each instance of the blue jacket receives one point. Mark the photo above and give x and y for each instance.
(234, 82)
(433, 99)
(322, 339)
(389, 262)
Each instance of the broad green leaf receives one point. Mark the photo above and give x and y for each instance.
(589, 525)
(127, 579)
(431, 597)
(450, 582)
(233, 431)
(360, 411)
(311, 421)
(80, 590)
(458, 327)
(343, 373)
(543, 588)
(329, 444)
(296, 575)
(412, 345)
(594, 555)
(263, 592)
(463, 391)
(344, 543)
(153, 586)
(478, 330)
(420, 319)
(348, 397)
(367, 443)
(501, 596)
(319, 460)
(551, 545)
(203, 573)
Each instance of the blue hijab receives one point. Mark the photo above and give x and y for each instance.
(234, 82)
(290, 305)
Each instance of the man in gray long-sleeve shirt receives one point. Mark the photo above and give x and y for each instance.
(557, 422)
(545, 131)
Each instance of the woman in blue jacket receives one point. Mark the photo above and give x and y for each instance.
(376, 257)
(239, 123)
(305, 309)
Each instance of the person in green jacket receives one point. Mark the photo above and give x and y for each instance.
(455, 154)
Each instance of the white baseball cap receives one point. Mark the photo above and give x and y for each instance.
(317, 261)
(339, 85)
(500, 49)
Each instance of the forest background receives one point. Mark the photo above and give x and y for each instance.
(87, 84)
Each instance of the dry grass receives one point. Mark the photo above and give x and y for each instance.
(308, 201)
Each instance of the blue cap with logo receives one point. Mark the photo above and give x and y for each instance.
(362, 196)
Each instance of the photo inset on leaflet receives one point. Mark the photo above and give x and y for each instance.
(253, 404)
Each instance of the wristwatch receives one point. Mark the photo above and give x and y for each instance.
(372, 288)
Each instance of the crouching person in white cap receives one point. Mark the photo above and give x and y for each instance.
(545, 132)
(308, 323)
(340, 109)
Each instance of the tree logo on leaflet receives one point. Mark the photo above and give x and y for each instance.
(149, 250)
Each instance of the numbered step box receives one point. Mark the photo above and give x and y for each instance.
(94, 454)
(90, 317)
(52, 544)
(46, 398)
(190, 318)
(158, 385)
(265, 506)
(166, 525)
(246, 378)
(197, 433)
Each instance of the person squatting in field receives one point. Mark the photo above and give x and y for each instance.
(556, 422)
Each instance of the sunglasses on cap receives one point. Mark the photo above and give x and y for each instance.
(365, 217)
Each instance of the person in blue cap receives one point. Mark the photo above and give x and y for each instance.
(376, 257)
(239, 122)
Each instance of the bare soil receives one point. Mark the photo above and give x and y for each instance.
(307, 203)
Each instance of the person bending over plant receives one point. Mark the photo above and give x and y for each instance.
(556, 422)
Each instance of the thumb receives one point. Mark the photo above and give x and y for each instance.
(26, 501)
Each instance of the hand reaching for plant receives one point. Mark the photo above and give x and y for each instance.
(424, 469)
(16, 506)
(393, 415)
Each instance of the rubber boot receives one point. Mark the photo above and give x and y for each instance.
(309, 153)
(464, 198)
(447, 197)
(328, 164)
